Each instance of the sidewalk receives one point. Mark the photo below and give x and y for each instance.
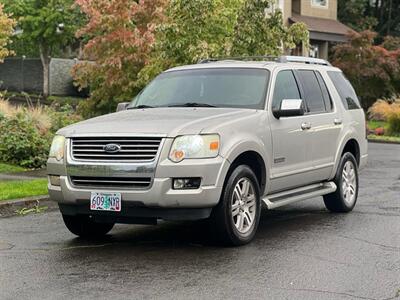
(28, 175)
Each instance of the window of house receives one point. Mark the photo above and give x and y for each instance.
(285, 88)
(277, 4)
(312, 91)
(320, 3)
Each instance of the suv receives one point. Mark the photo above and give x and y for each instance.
(214, 141)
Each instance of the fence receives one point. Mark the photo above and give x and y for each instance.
(26, 75)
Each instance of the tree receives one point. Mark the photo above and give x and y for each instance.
(6, 29)
(120, 36)
(373, 70)
(197, 29)
(260, 30)
(192, 30)
(47, 24)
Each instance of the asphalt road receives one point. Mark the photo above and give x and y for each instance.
(300, 252)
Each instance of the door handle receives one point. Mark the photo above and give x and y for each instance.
(306, 126)
(338, 121)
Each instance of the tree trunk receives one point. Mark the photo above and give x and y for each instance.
(45, 58)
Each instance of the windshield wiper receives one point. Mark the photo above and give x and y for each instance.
(140, 106)
(192, 104)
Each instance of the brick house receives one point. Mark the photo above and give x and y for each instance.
(320, 16)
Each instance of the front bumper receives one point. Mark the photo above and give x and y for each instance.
(159, 194)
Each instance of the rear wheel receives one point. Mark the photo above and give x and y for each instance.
(346, 180)
(237, 215)
(84, 226)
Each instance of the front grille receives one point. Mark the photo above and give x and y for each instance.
(130, 148)
(111, 182)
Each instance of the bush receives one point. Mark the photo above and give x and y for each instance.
(26, 133)
(387, 111)
(21, 142)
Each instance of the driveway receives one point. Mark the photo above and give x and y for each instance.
(300, 252)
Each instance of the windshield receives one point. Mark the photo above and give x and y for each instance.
(223, 87)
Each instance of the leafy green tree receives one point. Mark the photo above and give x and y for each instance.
(47, 25)
(260, 30)
(193, 29)
(6, 29)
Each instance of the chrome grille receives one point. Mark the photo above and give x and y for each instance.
(106, 182)
(130, 148)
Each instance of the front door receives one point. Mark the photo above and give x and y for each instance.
(291, 138)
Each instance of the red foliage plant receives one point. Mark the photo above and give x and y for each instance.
(120, 36)
(370, 68)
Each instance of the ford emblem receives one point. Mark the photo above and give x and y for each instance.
(112, 148)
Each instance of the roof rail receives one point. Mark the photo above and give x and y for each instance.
(239, 58)
(304, 60)
(281, 59)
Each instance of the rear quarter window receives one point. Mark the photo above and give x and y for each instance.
(345, 90)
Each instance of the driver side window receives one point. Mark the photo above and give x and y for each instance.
(285, 88)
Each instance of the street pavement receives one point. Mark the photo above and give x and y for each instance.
(300, 252)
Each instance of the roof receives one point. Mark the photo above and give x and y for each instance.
(329, 26)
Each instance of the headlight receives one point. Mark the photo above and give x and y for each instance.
(57, 147)
(194, 146)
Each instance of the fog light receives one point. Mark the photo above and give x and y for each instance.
(54, 180)
(186, 183)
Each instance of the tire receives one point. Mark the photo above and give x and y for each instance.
(84, 226)
(344, 198)
(235, 219)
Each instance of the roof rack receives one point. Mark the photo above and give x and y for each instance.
(281, 59)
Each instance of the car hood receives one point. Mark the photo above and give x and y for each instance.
(157, 121)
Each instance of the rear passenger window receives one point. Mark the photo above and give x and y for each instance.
(285, 88)
(312, 91)
(345, 90)
(325, 92)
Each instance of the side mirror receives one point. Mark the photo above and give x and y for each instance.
(122, 106)
(290, 108)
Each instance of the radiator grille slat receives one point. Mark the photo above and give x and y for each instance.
(110, 182)
(130, 148)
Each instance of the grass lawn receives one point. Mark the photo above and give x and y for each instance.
(384, 138)
(372, 124)
(20, 189)
(6, 168)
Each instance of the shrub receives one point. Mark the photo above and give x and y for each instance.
(22, 143)
(387, 111)
(26, 133)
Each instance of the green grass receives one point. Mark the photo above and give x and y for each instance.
(372, 124)
(20, 189)
(384, 138)
(7, 168)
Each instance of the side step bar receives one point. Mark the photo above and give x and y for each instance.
(287, 197)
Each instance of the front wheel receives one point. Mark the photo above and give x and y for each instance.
(237, 215)
(346, 180)
(84, 226)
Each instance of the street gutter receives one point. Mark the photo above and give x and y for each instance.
(8, 208)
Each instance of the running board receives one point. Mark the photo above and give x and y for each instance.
(306, 192)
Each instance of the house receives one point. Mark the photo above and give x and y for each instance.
(320, 16)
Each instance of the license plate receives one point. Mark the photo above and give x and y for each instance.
(105, 201)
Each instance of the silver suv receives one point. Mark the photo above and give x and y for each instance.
(214, 141)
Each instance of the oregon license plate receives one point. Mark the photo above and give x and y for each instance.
(105, 201)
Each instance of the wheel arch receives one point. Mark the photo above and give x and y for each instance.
(348, 144)
(255, 157)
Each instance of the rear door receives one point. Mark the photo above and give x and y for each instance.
(325, 120)
(291, 144)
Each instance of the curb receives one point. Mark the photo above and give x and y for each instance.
(8, 207)
(383, 142)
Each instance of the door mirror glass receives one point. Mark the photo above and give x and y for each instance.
(122, 106)
(290, 108)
